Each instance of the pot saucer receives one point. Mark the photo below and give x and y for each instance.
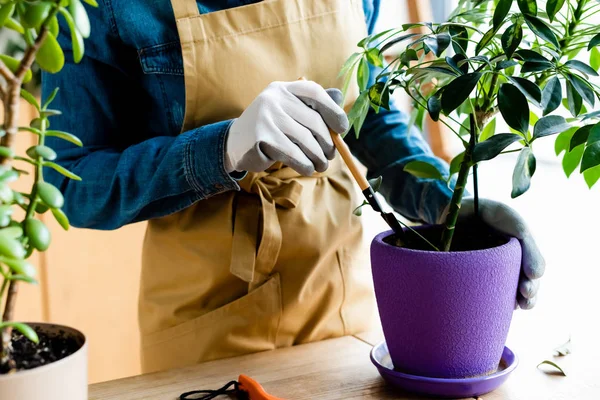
(442, 387)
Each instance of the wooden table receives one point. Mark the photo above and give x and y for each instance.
(339, 369)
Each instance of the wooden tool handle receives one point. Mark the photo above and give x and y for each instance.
(344, 151)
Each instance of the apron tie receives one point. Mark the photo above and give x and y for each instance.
(249, 262)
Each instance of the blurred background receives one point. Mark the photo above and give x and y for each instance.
(90, 279)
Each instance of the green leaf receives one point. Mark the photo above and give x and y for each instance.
(591, 156)
(514, 107)
(524, 170)
(6, 210)
(50, 98)
(81, 18)
(70, 137)
(457, 91)
(62, 170)
(408, 56)
(422, 169)
(563, 140)
(20, 267)
(592, 176)
(358, 210)
(455, 60)
(488, 131)
(13, 24)
(535, 66)
(76, 36)
(349, 64)
(533, 118)
(594, 134)
(6, 152)
(541, 30)
(53, 26)
(50, 195)
(456, 162)
(13, 232)
(379, 95)
(30, 99)
(434, 106)
(61, 218)
(460, 39)
(358, 113)
(50, 56)
(554, 365)
(485, 40)
(595, 58)
(553, 7)
(26, 330)
(595, 41)
(374, 57)
(580, 136)
(528, 7)
(572, 159)
(574, 99)
(13, 64)
(438, 43)
(38, 234)
(376, 183)
(582, 87)
(11, 248)
(581, 67)
(528, 88)
(6, 194)
(362, 76)
(92, 3)
(6, 11)
(490, 148)
(9, 176)
(530, 55)
(502, 10)
(35, 14)
(41, 151)
(395, 41)
(550, 125)
(511, 39)
(551, 95)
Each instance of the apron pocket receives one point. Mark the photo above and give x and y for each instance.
(246, 325)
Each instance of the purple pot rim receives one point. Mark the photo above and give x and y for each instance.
(510, 368)
(379, 241)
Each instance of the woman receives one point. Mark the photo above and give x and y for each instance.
(174, 114)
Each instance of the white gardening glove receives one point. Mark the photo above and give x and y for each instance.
(287, 122)
(508, 221)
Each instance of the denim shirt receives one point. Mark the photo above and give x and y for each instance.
(126, 101)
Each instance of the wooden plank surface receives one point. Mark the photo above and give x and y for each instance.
(340, 369)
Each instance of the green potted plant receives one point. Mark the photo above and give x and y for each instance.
(526, 62)
(36, 360)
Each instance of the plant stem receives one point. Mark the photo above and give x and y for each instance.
(11, 99)
(459, 190)
(474, 135)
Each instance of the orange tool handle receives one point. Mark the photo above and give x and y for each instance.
(254, 389)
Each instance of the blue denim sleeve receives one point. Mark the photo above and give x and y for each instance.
(385, 145)
(130, 171)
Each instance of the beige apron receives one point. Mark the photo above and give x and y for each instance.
(280, 262)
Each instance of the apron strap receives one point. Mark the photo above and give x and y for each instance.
(249, 262)
(185, 8)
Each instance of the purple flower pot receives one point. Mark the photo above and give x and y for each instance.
(445, 314)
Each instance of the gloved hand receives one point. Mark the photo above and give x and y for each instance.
(506, 220)
(287, 122)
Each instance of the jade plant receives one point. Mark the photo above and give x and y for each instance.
(23, 233)
(531, 63)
